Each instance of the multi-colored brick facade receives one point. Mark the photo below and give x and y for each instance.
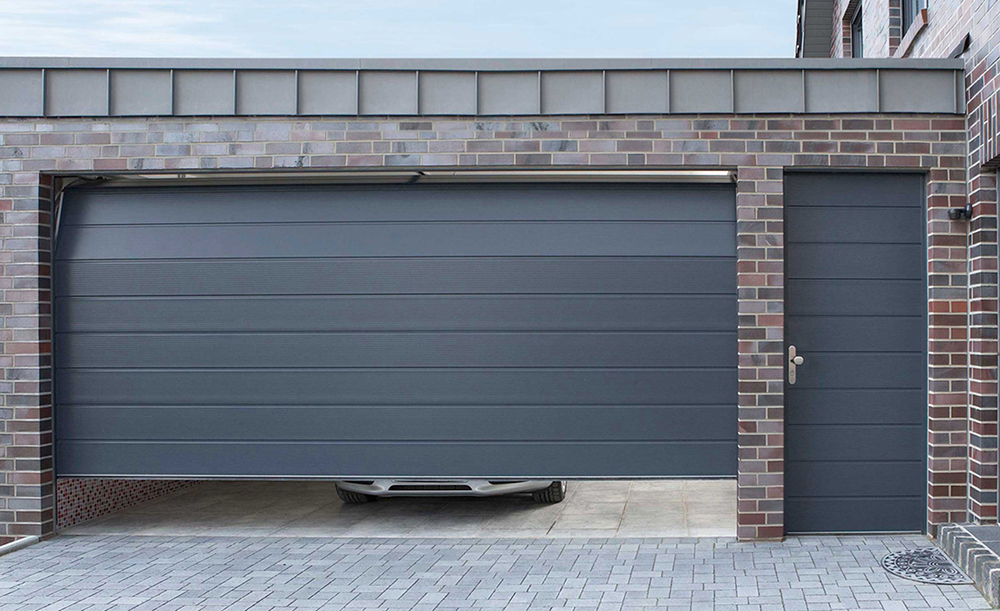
(968, 28)
(760, 148)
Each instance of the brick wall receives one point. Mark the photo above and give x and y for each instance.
(761, 148)
(882, 24)
(944, 30)
(948, 22)
(79, 500)
(876, 27)
(840, 37)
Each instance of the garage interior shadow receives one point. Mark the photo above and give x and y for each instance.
(647, 508)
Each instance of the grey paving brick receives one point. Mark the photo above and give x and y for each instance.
(300, 574)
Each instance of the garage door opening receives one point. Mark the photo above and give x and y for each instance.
(642, 508)
(497, 331)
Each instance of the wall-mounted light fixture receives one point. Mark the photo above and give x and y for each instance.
(957, 214)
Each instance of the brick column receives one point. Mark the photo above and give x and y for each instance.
(981, 85)
(27, 487)
(947, 352)
(760, 267)
(982, 423)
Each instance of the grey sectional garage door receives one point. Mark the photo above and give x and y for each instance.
(409, 330)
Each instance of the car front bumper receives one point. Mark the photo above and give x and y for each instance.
(458, 487)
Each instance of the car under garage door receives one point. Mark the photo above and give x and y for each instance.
(440, 330)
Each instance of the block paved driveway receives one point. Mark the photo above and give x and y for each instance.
(235, 573)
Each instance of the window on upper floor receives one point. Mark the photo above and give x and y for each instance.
(857, 34)
(910, 10)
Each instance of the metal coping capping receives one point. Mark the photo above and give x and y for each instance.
(103, 87)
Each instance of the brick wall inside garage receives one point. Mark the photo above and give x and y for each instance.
(79, 500)
(760, 148)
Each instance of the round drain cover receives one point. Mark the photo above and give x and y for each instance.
(926, 565)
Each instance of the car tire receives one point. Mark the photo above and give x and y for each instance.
(555, 493)
(354, 498)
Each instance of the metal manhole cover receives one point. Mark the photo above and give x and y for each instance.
(926, 565)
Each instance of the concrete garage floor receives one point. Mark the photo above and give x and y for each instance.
(698, 508)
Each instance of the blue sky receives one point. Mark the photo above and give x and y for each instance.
(398, 28)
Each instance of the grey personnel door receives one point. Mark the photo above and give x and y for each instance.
(856, 428)
(408, 330)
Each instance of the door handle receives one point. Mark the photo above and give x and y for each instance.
(794, 361)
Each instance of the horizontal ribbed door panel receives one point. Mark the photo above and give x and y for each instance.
(425, 331)
(856, 418)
